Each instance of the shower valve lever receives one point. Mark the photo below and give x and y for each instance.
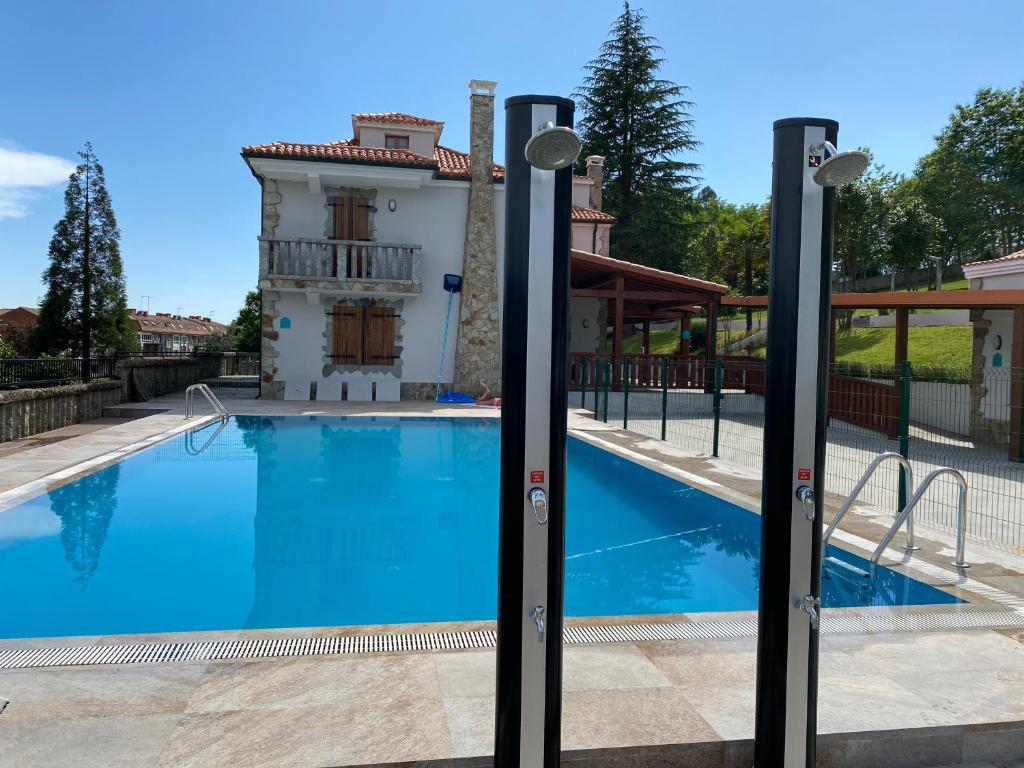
(537, 614)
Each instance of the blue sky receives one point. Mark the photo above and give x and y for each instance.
(169, 92)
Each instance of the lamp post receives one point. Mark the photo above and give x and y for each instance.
(806, 167)
(540, 147)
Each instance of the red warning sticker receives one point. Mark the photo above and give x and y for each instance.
(536, 475)
(803, 474)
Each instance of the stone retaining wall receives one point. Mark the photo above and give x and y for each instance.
(26, 412)
(143, 378)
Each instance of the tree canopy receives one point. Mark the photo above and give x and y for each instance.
(86, 233)
(245, 330)
(641, 125)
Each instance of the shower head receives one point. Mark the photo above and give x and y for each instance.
(553, 147)
(840, 167)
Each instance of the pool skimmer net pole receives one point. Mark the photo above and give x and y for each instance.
(540, 148)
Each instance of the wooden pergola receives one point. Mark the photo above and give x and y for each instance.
(640, 294)
(904, 301)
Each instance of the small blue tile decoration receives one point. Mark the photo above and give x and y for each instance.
(686, 335)
(997, 360)
(286, 322)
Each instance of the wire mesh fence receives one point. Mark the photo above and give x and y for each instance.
(969, 420)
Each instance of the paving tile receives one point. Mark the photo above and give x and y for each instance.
(593, 719)
(74, 693)
(609, 667)
(466, 674)
(970, 696)
(101, 742)
(356, 733)
(866, 702)
(690, 664)
(471, 725)
(299, 682)
(904, 748)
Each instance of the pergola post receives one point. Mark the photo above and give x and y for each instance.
(832, 338)
(710, 344)
(684, 335)
(647, 337)
(900, 357)
(1017, 387)
(620, 310)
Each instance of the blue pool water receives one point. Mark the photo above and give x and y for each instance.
(295, 521)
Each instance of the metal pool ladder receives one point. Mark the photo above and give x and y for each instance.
(211, 398)
(908, 474)
(905, 515)
(961, 516)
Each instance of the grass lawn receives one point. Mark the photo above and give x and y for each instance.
(943, 346)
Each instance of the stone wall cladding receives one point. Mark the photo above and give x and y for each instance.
(414, 390)
(27, 412)
(270, 387)
(478, 349)
(270, 217)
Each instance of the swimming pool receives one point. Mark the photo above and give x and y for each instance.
(313, 521)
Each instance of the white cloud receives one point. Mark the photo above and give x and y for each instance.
(22, 173)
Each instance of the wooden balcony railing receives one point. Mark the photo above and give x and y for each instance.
(344, 260)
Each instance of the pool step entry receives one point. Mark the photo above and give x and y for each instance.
(841, 566)
(274, 647)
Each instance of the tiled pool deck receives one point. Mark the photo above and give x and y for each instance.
(928, 698)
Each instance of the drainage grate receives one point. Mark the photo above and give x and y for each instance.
(154, 653)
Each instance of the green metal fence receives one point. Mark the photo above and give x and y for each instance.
(965, 419)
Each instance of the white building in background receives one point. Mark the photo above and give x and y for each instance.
(993, 328)
(357, 236)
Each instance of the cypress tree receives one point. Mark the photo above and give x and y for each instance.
(641, 125)
(85, 285)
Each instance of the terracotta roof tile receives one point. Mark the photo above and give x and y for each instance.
(1015, 256)
(338, 151)
(454, 164)
(395, 118)
(591, 215)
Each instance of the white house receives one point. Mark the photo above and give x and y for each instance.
(357, 236)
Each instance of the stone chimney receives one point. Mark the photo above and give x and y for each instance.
(478, 350)
(595, 170)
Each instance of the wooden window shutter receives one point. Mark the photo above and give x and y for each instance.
(351, 218)
(347, 335)
(342, 218)
(360, 218)
(380, 335)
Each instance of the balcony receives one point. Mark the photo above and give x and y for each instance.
(339, 265)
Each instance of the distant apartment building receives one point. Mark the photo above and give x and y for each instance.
(163, 332)
(16, 325)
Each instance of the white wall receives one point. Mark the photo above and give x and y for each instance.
(581, 192)
(432, 216)
(420, 142)
(584, 333)
(583, 235)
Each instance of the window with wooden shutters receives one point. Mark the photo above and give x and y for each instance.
(363, 335)
(346, 335)
(351, 218)
(379, 336)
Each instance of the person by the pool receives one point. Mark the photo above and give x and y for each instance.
(487, 398)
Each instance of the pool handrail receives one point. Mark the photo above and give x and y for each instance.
(211, 398)
(908, 474)
(190, 447)
(961, 516)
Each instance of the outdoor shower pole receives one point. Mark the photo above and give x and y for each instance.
(799, 298)
(535, 316)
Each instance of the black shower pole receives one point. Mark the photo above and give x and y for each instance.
(799, 299)
(535, 314)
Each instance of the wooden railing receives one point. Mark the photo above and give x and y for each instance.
(353, 260)
(867, 403)
(683, 371)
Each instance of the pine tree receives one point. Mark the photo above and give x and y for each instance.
(85, 284)
(640, 124)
